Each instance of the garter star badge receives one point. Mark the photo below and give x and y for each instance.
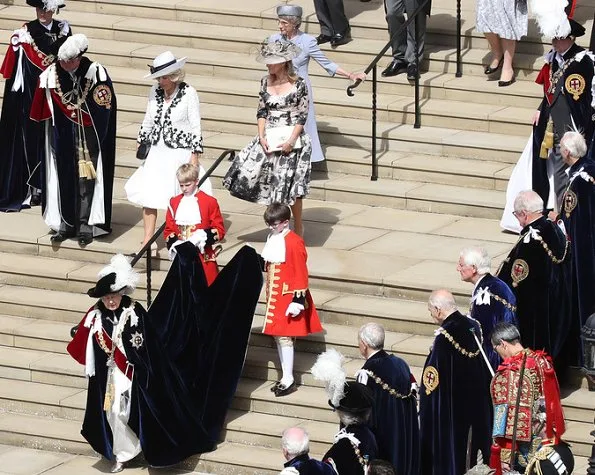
(575, 85)
(430, 379)
(570, 201)
(102, 95)
(137, 340)
(519, 271)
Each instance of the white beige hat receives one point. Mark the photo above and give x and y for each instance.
(278, 51)
(73, 47)
(164, 64)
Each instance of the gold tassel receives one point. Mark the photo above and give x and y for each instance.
(87, 170)
(548, 140)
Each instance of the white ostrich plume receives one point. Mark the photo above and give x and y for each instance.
(73, 47)
(53, 5)
(126, 276)
(551, 17)
(329, 368)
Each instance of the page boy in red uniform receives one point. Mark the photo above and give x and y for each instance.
(194, 216)
(290, 311)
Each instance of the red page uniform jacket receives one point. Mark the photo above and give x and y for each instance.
(287, 282)
(206, 217)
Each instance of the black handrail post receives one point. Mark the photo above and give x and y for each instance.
(149, 271)
(459, 72)
(374, 176)
(417, 123)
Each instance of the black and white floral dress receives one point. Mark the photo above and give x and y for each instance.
(174, 132)
(260, 178)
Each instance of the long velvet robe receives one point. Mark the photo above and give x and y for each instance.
(62, 126)
(578, 214)
(307, 466)
(492, 302)
(542, 288)
(580, 109)
(22, 138)
(455, 404)
(187, 370)
(342, 455)
(394, 419)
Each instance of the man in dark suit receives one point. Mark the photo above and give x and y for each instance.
(403, 44)
(334, 25)
(566, 77)
(394, 415)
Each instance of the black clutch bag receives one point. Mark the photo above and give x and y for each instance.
(143, 150)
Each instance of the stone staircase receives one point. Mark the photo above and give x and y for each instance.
(376, 249)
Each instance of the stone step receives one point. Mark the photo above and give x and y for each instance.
(355, 133)
(261, 426)
(174, 33)
(61, 435)
(333, 102)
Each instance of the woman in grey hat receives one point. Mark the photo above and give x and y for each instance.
(275, 165)
(171, 128)
(290, 19)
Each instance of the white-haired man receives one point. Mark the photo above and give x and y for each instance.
(492, 301)
(578, 214)
(455, 406)
(77, 104)
(394, 414)
(538, 269)
(295, 444)
(32, 48)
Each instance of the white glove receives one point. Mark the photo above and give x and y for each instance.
(294, 309)
(199, 239)
(289, 471)
(172, 250)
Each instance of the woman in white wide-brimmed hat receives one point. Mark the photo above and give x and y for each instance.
(275, 166)
(171, 128)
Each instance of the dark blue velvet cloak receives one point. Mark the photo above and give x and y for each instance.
(501, 308)
(342, 454)
(186, 372)
(455, 414)
(22, 138)
(394, 420)
(307, 466)
(580, 226)
(543, 295)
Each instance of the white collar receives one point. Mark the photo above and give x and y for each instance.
(274, 248)
(47, 27)
(188, 211)
(477, 283)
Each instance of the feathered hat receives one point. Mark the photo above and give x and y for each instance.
(347, 396)
(553, 21)
(47, 5)
(117, 277)
(278, 51)
(73, 47)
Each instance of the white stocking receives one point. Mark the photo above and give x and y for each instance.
(285, 349)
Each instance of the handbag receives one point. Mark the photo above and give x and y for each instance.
(277, 136)
(143, 150)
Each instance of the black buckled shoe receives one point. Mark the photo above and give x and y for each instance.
(412, 71)
(321, 39)
(85, 239)
(283, 390)
(275, 386)
(394, 68)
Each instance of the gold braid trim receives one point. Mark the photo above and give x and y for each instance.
(542, 454)
(358, 453)
(504, 302)
(546, 248)
(107, 351)
(453, 342)
(386, 387)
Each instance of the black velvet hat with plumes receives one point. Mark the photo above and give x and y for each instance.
(357, 398)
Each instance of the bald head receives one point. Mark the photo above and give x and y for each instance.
(294, 442)
(441, 304)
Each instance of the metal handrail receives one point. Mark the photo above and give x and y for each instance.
(373, 66)
(147, 246)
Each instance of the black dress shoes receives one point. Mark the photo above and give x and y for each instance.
(320, 39)
(85, 239)
(489, 70)
(341, 39)
(506, 83)
(61, 236)
(412, 72)
(282, 390)
(394, 68)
